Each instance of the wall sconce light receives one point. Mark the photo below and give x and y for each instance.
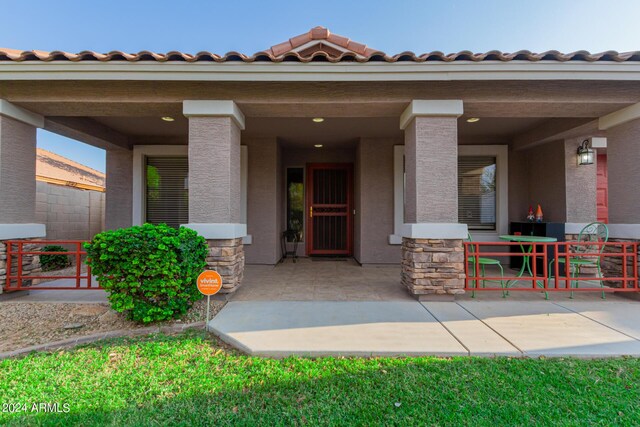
(585, 154)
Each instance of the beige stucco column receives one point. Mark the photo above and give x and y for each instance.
(18, 181)
(580, 183)
(214, 184)
(432, 266)
(119, 189)
(623, 163)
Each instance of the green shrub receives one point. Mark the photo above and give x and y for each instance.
(149, 271)
(54, 262)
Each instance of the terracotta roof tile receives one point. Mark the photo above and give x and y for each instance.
(52, 165)
(330, 48)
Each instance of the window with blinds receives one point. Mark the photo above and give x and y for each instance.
(167, 190)
(477, 192)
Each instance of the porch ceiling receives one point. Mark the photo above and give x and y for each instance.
(347, 117)
(333, 131)
(299, 131)
(371, 108)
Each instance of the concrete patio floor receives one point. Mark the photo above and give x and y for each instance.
(321, 280)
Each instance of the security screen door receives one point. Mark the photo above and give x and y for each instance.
(329, 209)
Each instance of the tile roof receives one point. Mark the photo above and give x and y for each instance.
(52, 165)
(318, 45)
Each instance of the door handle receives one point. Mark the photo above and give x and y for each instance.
(310, 211)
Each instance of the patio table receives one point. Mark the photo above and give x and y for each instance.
(526, 262)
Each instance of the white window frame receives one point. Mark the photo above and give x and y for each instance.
(141, 152)
(500, 152)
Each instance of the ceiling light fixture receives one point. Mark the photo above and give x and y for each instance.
(318, 119)
(473, 119)
(318, 145)
(168, 119)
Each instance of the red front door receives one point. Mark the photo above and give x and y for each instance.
(329, 209)
(602, 188)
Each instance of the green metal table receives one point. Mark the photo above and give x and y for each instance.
(526, 262)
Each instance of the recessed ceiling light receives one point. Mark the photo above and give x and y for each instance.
(318, 119)
(168, 119)
(473, 119)
(318, 145)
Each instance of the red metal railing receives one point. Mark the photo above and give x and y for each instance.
(559, 255)
(15, 256)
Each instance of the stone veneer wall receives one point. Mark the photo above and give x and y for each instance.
(433, 266)
(30, 264)
(612, 266)
(226, 256)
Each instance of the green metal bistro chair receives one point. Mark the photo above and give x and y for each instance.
(594, 232)
(484, 262)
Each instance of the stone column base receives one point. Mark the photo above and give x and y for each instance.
(612, 266)
(30, 264)
(226, 256)
(433, 268)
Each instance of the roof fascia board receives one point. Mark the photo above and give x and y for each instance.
(287, 71)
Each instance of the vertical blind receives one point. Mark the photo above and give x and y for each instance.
(477, 192)
(167, 190)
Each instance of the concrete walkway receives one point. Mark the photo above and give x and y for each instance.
(395, 328)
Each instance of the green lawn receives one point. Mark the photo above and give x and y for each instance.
(190, 380)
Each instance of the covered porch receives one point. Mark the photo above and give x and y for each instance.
(419, 165)
(422, 172)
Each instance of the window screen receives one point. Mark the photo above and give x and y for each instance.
(477, 192)
(167, 190)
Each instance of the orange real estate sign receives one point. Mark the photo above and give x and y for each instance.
(209, 282)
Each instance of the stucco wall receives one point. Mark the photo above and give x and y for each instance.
(357, 204)
(623, 162)
(17, 171)
(546, 178)
(69, 213)
(280, 207)
(214, 156)
(519, 199)
(299, 157)
(374, 178)
(431, 165)
(581, 185)
(548, 174)
(262, 201)
(119, 195)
